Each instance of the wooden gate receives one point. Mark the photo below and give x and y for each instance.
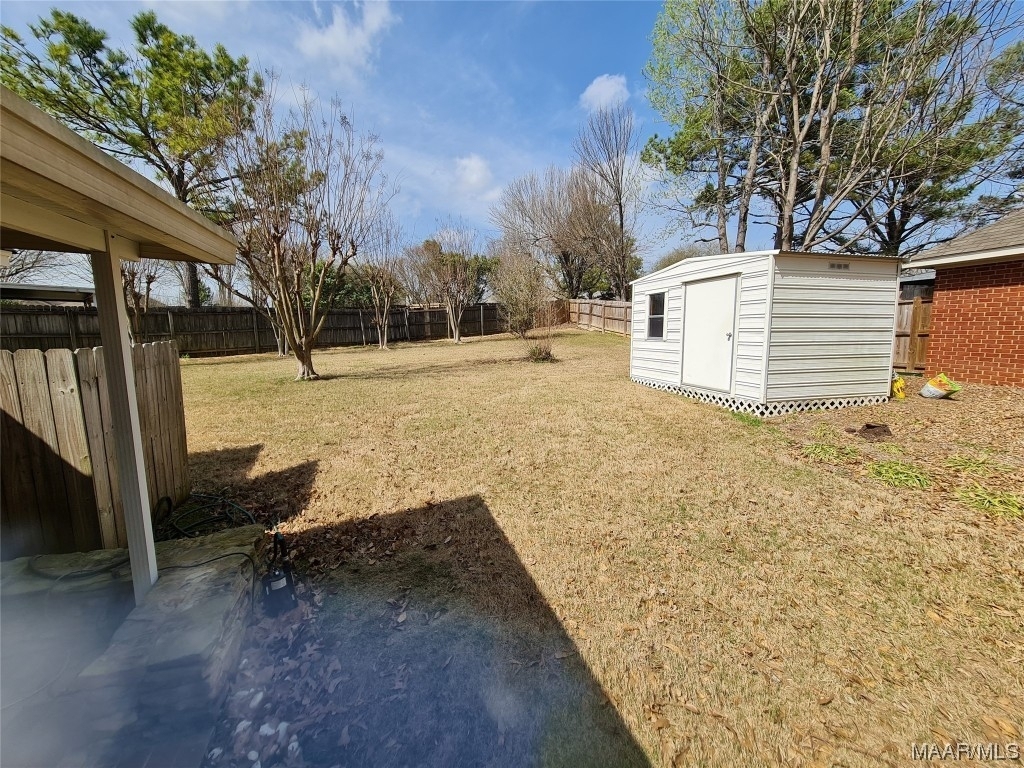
(913, 322)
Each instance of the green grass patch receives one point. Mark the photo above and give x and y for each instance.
(833, 454)
(825, 432)
(998, 503)
(891, 448)
(979, 466)
(747, 419)
(898, 474)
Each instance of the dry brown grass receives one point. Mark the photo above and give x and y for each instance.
(739, 602)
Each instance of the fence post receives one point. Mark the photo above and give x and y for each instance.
(72, 328)
(256, 331)
(481, 318)
(406, 317)
(604, 317)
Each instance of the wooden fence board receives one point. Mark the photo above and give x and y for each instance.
(604, 316)
(43, 451)
(913, 324)
(22, 528)
(108, 445)
(91, 413)
(60, 490)
(143, 397)
(73, 445)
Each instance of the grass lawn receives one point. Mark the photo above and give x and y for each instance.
(568, 568)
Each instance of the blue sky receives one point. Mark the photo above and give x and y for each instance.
(465, 96)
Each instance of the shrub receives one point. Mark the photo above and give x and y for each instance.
(541, 351)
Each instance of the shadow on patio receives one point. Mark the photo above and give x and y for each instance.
(435, 648)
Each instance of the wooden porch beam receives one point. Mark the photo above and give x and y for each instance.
(124, 409)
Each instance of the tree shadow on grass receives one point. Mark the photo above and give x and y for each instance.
(271, 497)
(398, 373)
(449, 653)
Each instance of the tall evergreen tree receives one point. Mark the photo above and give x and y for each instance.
(167, 103)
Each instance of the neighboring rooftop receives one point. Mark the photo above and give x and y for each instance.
(1002, 240)
(45, 293)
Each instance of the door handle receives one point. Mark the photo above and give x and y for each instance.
(728, 336)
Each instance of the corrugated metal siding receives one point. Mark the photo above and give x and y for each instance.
(661, 361)
(831, 331)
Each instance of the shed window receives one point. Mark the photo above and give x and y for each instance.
(656, 316)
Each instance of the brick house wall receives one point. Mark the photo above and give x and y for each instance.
(977, 324)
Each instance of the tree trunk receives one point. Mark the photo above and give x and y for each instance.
(192, 298)
(453, 323)
(305, 360)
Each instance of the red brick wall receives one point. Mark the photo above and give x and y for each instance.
(977, 324)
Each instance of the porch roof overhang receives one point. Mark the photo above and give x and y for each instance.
(62, 193)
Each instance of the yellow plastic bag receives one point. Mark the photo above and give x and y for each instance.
(899, 387)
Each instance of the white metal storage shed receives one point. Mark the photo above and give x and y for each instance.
(768, 332)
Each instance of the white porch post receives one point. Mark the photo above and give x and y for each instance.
(124, 411)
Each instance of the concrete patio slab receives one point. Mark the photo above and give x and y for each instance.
(89, 681)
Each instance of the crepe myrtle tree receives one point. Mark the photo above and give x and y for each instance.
(308, 192)
(453, 270)
(379, 272)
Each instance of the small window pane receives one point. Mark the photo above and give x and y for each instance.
(656, 316)
(657, 304)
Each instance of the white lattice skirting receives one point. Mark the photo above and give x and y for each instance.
(742, 405)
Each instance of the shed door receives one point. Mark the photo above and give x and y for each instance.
(709, 332)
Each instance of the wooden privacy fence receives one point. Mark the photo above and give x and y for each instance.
(59, 482)
(231, 330)
(605, 316)
(913, 322)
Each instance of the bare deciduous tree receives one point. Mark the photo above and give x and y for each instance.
(561, 218)
(606, 150)
(452, 270)
(25, 263)
(137, 278)
(413, 275)
(380, 271)
(308, 191)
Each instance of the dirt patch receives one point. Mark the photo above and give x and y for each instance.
(972, 440)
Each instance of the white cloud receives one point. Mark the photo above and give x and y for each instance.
(604, 91)
(472, 174)
(350, 40)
